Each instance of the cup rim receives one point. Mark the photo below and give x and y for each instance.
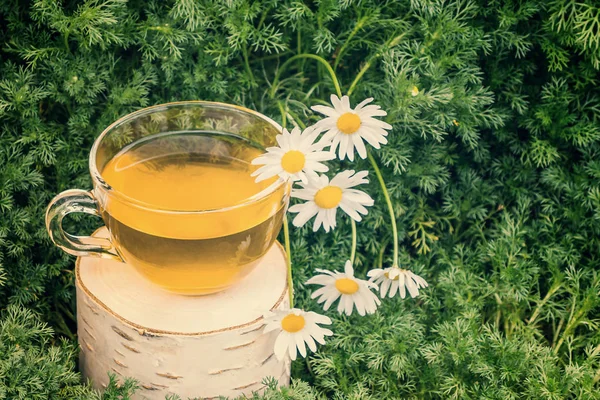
(100, 182)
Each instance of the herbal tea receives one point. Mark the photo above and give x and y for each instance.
(184, 224)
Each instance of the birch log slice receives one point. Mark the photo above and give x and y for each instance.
(204, 347)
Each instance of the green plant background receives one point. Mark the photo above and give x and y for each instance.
(493, 169)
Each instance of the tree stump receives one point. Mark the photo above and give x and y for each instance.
(205, 346)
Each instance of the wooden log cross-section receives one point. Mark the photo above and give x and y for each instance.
(196, 347)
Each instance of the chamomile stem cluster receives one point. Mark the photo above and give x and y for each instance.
(388, 201)
(353, 250)
(344, 132)
(288, 251)
(375, 168)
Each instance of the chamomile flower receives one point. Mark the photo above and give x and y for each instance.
(395, 280)
(349, 128)
(324, 197)
(298, 329)
(351, 291)
(296, 157)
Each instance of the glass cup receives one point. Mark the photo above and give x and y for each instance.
(180, 235)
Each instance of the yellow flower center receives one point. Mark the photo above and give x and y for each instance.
(328, 197)
(387, 275)
(348, 123)
(292, 323)
(346, 286)
(293, 161)
(414, 91)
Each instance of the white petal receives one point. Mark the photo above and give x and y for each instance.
(329, 222)
(373, 137)
(360, 105)
(348, 304)
(397, 287)
(283, 142)
(383, 289)
(393, 272)
(349, 147)
(272, 326)
(350, 211)
(320, 220)
(359, 178)
(330, 112)
(358, 196)
(319, 336)
(335, 101)
(359, 303)
(281, 344)
(359, 146)
(319, 318)
(268, 170)
(375, 273)
(303, 194)
(346, 104)
(369, 284)
(370, 112)
(320, 280)
(344, 146)
(348, 269)
(265, 159)
(313, 166)
(300, 343)
(328, 272)
(292, 348)
(420, 281)
(320, 292)
(320, 156)
(375, 123)
(331, 132)
(401, 286)
(393, 289)
(341, 305)
(303, 216)
(412, 288)
(309, 341)
(370, 301)
(331, 300)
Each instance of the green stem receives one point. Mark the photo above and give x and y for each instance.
(283, 114)
(67, 312)
(66, 40)
(262, 19)
(353, 251)
(362, 71)
(386, 195)
(358, 26)
(269, 57)
(286, 235)
(336, 83)
(536, 312)
(301, 124)
(571, 324)
(247, 64)
(286, 231)
(380, 258)
(63, 328)
(390, 43)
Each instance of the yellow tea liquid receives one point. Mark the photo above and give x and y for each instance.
(183, 224)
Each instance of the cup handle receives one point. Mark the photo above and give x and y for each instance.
(76, 200)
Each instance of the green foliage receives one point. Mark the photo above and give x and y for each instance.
(492, 168)
(31, 367)
(298, 390)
